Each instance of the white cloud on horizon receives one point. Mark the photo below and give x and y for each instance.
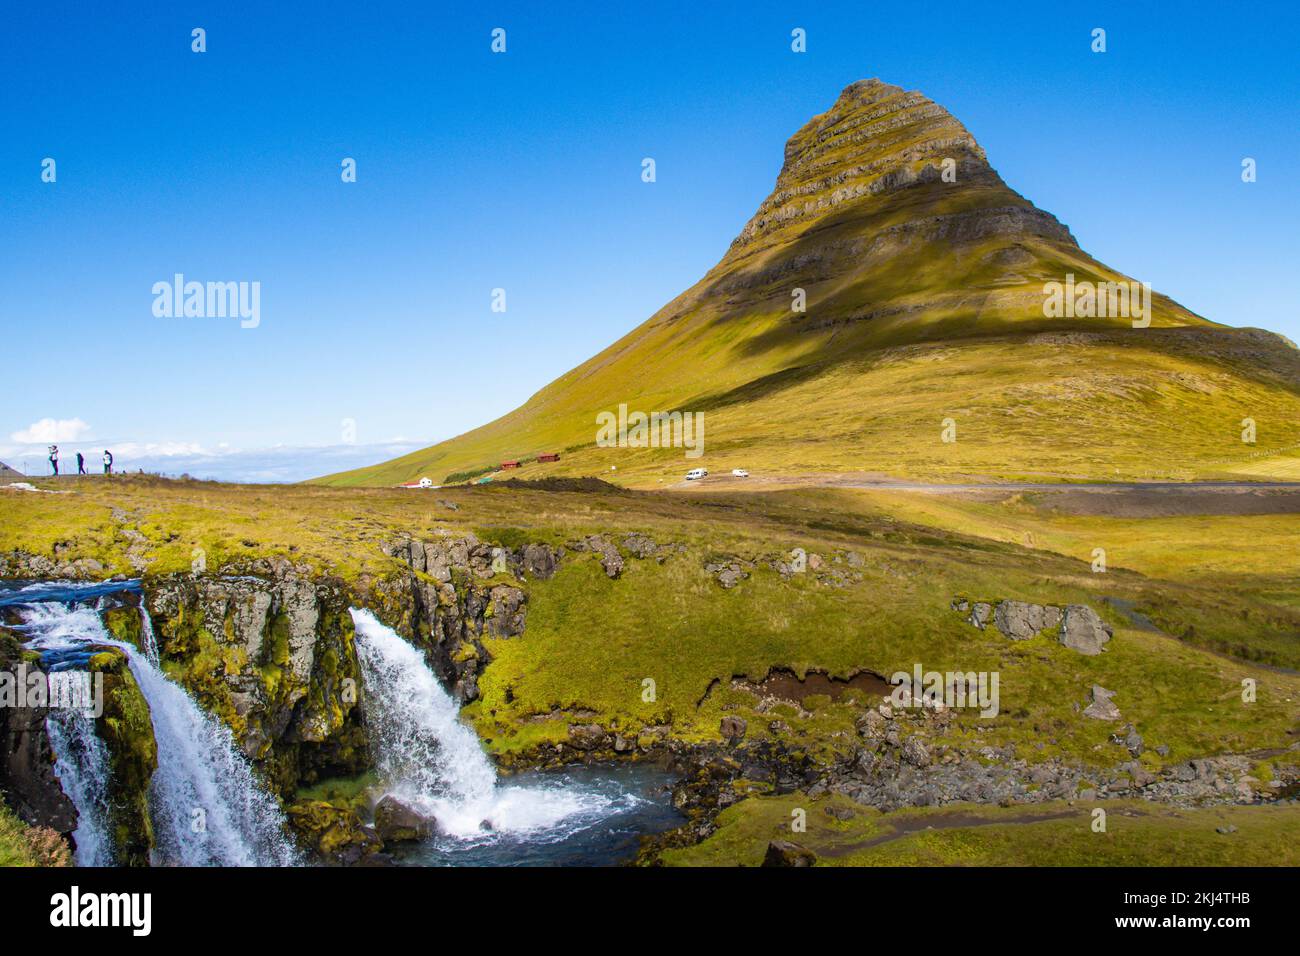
(51, 431)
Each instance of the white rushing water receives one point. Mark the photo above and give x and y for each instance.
(148, 640)
(206, 804)
(427, 757)
(81, 763)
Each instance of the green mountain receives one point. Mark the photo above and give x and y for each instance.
(893, 292)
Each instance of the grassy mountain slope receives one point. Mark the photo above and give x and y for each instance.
(924, 302)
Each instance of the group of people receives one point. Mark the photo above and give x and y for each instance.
(81, 461)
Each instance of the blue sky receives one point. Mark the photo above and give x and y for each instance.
(522, 171)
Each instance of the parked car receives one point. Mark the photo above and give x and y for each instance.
(695, 473)
(739, 473)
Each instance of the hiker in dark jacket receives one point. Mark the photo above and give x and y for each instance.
(108, 462)
(54, 459)
(81, 464)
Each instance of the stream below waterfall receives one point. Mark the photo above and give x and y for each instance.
(424, 755)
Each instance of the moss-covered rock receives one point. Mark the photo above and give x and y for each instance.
(123, 620)
(127, 730)
(273, 657)
(336, 834)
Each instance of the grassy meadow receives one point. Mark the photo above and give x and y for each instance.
(592, 642)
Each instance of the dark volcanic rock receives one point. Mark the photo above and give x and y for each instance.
(785, 853)
(397, 821)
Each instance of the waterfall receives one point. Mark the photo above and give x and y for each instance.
(205, 803)
(81, 764)
(148, 641)
(428, 758)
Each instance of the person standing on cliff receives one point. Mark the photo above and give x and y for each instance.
(54, 460)
(108, 462)
(81, 464)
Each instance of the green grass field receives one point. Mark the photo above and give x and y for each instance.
(1137, 833)
(591, 642)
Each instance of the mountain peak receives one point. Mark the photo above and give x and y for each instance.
(875, 139)
(889, 282)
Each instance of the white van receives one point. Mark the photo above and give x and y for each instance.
(739, 473)
(696, 473)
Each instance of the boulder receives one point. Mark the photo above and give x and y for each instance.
(587, 736)
(1082, 630)
(336, 834)
(1102, 707)
(785, 853)
(1020, 621)
(980, 613)
(540, 561)
(733, 728)
(916, 753)
(397, 821)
